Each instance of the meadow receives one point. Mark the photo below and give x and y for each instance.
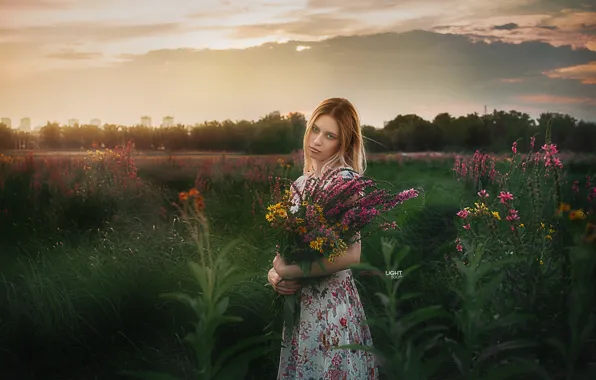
(498, 256)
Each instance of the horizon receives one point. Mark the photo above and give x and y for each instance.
(116, 62)
(159, 122)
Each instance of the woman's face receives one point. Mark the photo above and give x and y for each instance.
(323, 139)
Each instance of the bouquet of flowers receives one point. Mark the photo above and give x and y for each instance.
(328, 215)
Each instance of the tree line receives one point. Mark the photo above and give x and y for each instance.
(276, 133)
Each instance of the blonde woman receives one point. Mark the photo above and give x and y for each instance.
(331, 313)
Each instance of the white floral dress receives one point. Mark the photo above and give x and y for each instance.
(331, 314)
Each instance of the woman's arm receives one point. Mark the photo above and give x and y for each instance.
(352, 256)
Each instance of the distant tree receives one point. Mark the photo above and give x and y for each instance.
(51, 136)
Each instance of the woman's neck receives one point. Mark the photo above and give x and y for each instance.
(317, 168)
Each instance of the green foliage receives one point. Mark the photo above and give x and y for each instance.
(90, 310)
(281, 134)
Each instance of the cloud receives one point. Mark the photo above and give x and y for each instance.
(509, 26)
(228, 9)
(315, 26)
(383, 74)
(566, 28)
(556, 100)
(71, 54)
(586, 73)
(29, 5)
(97, 32)
(355, 5)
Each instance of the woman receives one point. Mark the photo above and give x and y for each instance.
(331, 313)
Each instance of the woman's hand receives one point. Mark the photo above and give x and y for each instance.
(284, 270)
(284, 287)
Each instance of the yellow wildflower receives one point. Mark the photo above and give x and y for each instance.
(496, 215)
(577, 215)
(317, 244)
(563, 207)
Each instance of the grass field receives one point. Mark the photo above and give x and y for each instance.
(89, 243)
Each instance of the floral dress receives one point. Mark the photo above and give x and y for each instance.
(331, 314)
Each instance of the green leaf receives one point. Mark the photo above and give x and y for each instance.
(485, 292)
(384, 299)
(363, 267)
(182, 297)
(407, 296)
(222, 306)
(505, 346)
(420, 315)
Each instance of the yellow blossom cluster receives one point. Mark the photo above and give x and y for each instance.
(551, 230)
(318, 243)
(480, 209)
(276, 210)
(339, 250)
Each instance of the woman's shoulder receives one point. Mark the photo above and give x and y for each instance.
(300, 179)
(347, 172)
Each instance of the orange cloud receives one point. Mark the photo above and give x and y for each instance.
(566, 28)
(71, 54)
(586, 74)
(553, 99)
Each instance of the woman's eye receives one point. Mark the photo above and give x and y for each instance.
(331, 136)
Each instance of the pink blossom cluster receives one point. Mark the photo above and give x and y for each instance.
(550, 156)
(476, 167)
(336, 206)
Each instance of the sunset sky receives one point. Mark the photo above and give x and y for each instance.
(117, 60)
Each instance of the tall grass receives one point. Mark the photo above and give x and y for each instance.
(91, 244)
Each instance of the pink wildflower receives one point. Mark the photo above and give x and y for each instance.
(505, 196)
(463, 214)
(467, 226)
(483, 194)
(512, 215)
(514, 147)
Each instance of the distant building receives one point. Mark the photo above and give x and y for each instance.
(146, 121)
(25, 124)
(168, 121)
(96, 122)
(6, 121)
(73, 122)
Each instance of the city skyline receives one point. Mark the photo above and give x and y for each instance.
(222, 61)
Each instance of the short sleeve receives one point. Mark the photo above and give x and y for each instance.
(348, 174)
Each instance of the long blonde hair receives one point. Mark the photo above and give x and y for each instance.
(351, 151)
